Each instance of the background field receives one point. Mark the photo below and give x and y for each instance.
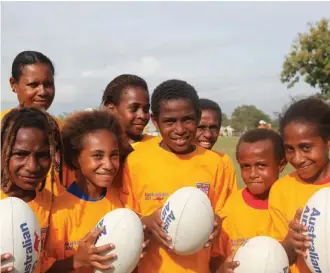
(228, 146)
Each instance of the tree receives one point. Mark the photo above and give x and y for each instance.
(225, 120)
(246, 117)
(310, 58)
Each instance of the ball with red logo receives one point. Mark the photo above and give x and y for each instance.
(20, 235)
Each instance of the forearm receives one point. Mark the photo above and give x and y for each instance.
(63, 266)
(292, 255)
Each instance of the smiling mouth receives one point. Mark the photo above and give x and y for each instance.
(205, 143)
(304, 167)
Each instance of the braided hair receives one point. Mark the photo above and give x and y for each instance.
(22, 117)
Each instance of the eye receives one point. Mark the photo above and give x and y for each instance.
(44, 154)
(97, 156)
(289, 149)
(33, 84)
(133, 108)
(20, 154)
(261, 165)
(146, 109)
(306, 148)
(244, 166)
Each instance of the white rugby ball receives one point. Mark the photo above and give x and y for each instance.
(316, 216)
(261, 254)
(188, 218)
(20, 235)
(124, 229)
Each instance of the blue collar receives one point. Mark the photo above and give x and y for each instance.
(74, 190)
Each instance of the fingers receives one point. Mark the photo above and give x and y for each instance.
(94, 234)
(103, 258)
(298, 214)
(5, 257)
(7, 269)
(100, 249)
(99, 266)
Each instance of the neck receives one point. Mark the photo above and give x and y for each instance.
(167, 148)
(91, 190)
(13, 190)
(133, 139)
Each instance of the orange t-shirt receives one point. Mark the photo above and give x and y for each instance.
(151, 175)
(68, 175)
(71, 219)
(244, 217)
(41, 206)
(286, 196)
(146, 138)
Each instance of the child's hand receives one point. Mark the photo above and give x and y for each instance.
(296, 240)
(229, 265)
(155, 226)
(216, 228)
(5, 257)
(145, 243)
(90, 256)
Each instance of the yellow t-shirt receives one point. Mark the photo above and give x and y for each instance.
(68, 175)
(151, 175)
(41, 206)
(286, 196)
(244, 217)
(71, 219)
(146, 138)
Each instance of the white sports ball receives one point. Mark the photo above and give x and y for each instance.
(316, 216)
(261, 254)
(124, 229)
(20, 235)
(188, 218)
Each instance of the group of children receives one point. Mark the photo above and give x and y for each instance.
(72, 173)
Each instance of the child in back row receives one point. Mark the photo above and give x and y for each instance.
(260, 154)
(305, 129)
(30, 140)
(90, 140)
(207, 135)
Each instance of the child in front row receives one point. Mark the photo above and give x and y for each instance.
(305, 128)
(90, 140)
(260, 154)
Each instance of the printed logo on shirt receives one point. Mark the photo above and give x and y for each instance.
(156, 196)
(70, 245)
(204, 187)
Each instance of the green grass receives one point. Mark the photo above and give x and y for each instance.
(228, 145)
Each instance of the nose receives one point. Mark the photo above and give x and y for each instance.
(179, 128)
(109, 166)
(143, 115)
(42, 91)
(253, 173)
(32, 165)
(298, 158)
(207, 133)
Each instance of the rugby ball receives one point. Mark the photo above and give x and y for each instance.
(20, 235)
(316, 216)
(124, 229)
(261, 254)
(188, 219)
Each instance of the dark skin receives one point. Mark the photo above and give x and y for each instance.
(308, 153)
(177, 123)
(28, 167)
(133, 112)
(208, 129)
(35, 86)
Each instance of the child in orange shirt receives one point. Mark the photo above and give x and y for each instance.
(305, 128)
(153, 173)
(32, 80)
(127, 96)
(207, 135)
(30, 138)
(260, 154)
(90, 140)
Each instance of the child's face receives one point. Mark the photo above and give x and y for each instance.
(35, 86)
(208, 129)
(98, 161)
(177, 123)
(259, 167)
(133, 110)
(305, 149)
(30, 160)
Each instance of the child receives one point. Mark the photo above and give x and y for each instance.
(260, 154)
(90, 140)
(29, 140)
(33, 82)
(305, 128)
(207, 135)
(128, 97)
(153, 173)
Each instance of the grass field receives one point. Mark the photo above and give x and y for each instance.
(228, 145)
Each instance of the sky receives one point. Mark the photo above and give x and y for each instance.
(231, 52)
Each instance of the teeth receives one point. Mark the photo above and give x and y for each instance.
(205, 142)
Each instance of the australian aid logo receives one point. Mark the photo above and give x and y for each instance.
(309, 219)
(104, 232)
(167, 216)
(31, 244)
(204, 187)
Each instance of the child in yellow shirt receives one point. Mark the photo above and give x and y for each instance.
(207, 135)
(260, 154)
(30, 139)
(305, 128)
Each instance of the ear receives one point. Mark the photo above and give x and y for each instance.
(13, 84)
(154, 121)
(75, 162)
(111, 107)
(282, 164)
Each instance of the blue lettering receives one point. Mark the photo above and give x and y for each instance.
(27, 245)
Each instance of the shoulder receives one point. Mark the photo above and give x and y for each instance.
(5, 112)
